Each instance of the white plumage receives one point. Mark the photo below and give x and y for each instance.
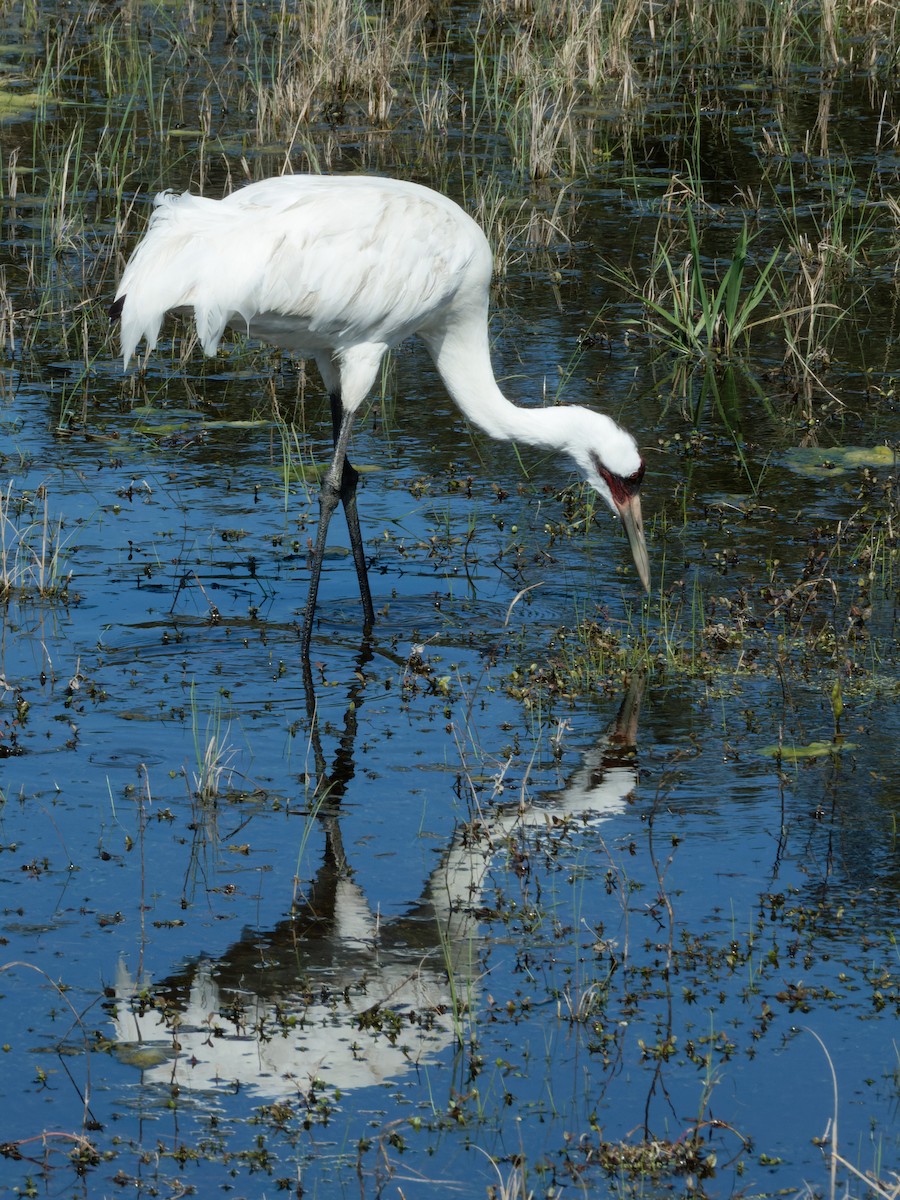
(341, 269)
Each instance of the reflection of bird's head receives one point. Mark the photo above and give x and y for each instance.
(608, 457)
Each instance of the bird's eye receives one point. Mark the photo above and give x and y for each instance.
(622, 487)
(633, 482)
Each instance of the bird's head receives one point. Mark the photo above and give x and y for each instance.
(608, 457)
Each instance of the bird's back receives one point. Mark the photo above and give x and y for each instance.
(311, 263)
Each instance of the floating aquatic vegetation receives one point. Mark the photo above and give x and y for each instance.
(834, 462)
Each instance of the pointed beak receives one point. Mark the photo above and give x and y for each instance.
(630, 512)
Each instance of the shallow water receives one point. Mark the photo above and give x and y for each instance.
(426, 915)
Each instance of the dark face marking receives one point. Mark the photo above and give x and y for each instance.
(622, 487)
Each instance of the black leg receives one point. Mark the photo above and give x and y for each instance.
(349, 480)
(338, 486)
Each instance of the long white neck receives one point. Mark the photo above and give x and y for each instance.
(462, 357)
(598, 446)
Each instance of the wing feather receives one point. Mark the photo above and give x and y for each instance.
(311, 263)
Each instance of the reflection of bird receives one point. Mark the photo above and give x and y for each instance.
(323, 994)
(340, 269)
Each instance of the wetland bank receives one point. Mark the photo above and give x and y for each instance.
(549, 888)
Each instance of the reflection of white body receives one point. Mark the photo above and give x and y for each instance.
(263, 1052)
(381, 997)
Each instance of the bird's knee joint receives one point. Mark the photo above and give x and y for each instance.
(330, 492)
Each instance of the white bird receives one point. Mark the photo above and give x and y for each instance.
(341, 269)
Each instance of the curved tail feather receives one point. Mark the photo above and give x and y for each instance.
(179, 264)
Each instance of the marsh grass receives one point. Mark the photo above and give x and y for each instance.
(706, 314)
(32, 548)
(215, 770)
(214, 753)
(800, 283)
(298, 463)
(833, 245)
(722, 314)
(329, 56)
(543, 134)
(506, 222)
(511, 1186)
